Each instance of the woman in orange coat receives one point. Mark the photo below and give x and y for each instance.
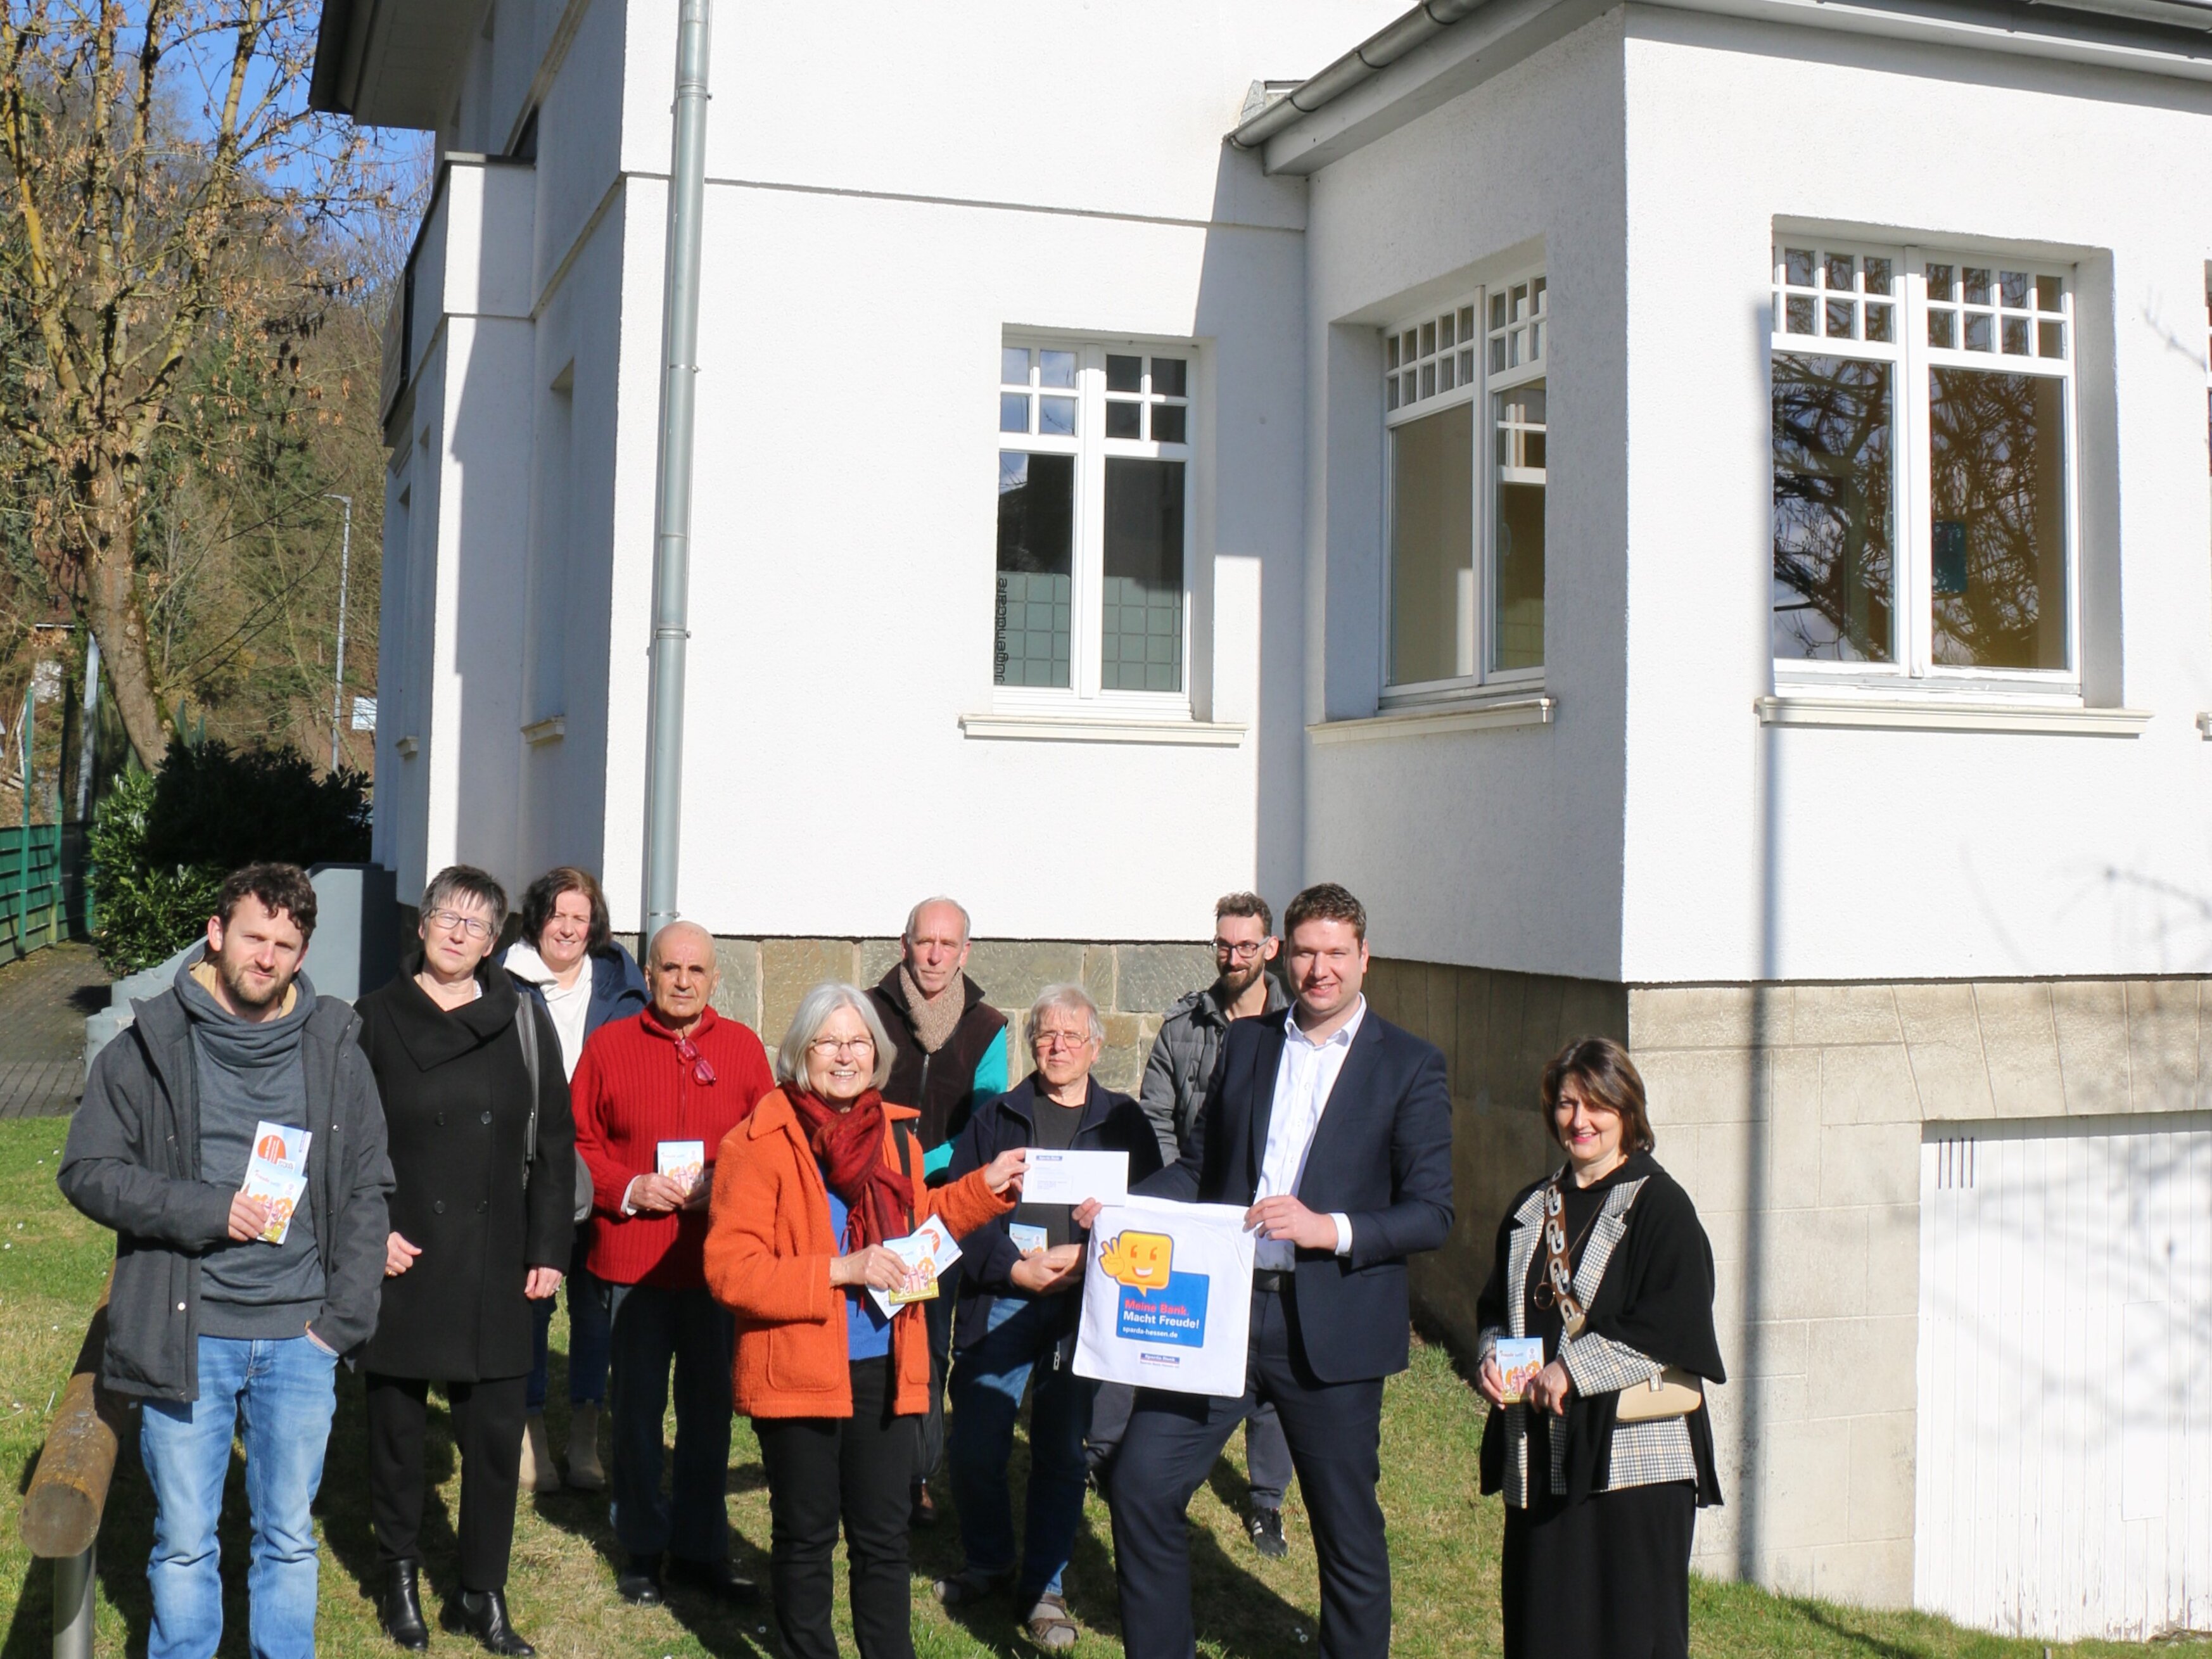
(807, 1191)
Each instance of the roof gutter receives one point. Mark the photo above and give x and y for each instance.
(1363, 63)
(2174, 14)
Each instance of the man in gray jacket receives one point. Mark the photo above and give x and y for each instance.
(233, 1139)
(1176, 1078)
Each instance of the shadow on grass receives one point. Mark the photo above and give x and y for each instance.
(1824, 1618)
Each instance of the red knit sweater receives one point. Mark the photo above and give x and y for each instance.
(632, 1091)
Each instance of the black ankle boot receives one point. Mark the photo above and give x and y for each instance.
(482, 1614)
(399, 1609)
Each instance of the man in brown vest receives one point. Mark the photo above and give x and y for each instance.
(949, 1056)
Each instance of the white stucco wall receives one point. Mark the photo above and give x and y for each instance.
(1902, 853)
(1498, 847)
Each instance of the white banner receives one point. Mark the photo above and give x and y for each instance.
(1167, 1297)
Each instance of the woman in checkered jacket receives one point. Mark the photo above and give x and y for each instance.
(1605, 1453)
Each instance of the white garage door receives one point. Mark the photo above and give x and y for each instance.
(2065, 1376)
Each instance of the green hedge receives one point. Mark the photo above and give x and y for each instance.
(164, 841)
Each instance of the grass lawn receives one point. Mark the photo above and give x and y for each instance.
(1444, 1538)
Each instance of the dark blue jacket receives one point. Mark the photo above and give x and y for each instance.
(617, 987)
(1382, 1156)
(1111, 1122)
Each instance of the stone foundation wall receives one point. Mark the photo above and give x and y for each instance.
(1795, 1114)
(1497, 1030)
(1133, 983)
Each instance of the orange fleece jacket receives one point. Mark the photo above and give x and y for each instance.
(769, 1250)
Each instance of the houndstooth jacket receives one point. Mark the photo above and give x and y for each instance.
(1643, 1454)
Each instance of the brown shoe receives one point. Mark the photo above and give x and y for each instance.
(539, 1472)
(585, 1472)
(1050, 1627)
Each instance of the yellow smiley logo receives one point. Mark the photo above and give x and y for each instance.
(1139, 1261)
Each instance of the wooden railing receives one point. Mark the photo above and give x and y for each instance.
(69, 1491)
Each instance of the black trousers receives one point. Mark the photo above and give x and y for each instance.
(860, 1469)
(487, 1418)
(1335, 1433)
(1267, 1454)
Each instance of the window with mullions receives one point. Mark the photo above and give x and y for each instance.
(1922, 497)
(1464, 406)
(1093, 486)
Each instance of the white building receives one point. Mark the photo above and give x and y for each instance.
(1836, 730)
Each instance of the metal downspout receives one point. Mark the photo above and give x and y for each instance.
(671, 561)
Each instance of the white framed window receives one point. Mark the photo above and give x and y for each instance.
(1094, 514)
(1925, 506)
(1464, 402)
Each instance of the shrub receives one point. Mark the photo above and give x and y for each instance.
(164, 841)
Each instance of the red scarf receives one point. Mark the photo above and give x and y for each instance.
(850, 1146)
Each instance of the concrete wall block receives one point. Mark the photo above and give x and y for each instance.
(1013, 971)
(1894, 1259)
(1810, 1264)
(2091, 1017)
(1807, 1469)
(1938, 1013)
(1793, 1129)
(1752, 1408)
(1868, 1575)
(1882, 1454)
(1860, 1366)
(1870, 1083)
(1696, 1085)
(1152, 977)
(878, 957)
(1845, 1013)
(1770, 1348)
(2162, 1037)
(1951, 1080)
(1098, 964)
(737, 980)
(1704, 1016)
(1719, 1175)
(2020, 1042)
(1869, 1163)
(1726, 1230)
(789, 968)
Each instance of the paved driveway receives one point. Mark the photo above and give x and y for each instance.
(44, 1000)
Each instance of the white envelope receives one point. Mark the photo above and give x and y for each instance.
(1071, 1177)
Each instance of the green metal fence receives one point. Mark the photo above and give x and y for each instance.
(43, 896)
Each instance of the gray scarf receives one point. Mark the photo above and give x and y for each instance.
(935, 1018)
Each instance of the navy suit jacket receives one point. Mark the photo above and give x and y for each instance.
(1381, 1155)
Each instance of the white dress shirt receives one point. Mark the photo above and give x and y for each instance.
(1304, 1078)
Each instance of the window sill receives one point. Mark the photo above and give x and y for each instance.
(1532, 708)
(405, 747)
(1950, 714)
(552, 729)
(1090, 728)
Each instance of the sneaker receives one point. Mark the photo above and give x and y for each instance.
(968, 1586)
(1265, 1529)
(1050, 1627)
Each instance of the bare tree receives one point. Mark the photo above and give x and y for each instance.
(151, 153)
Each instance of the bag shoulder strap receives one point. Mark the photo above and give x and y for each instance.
(525, 1029)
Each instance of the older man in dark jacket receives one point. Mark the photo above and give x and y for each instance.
(236, 1290)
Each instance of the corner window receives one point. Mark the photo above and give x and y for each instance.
(1924, 497)
(1093, 483)
(1464, 409)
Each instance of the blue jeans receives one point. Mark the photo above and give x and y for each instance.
(652, 1327)
(989, 1379)
(587, 1335)
(284, 1391)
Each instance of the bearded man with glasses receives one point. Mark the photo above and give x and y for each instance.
(654, 1095)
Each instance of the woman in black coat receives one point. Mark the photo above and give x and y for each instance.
(480, 1218)
(1606, 1453)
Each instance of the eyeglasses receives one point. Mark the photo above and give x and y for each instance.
(1243, 951)
(453, 922)
(1060, 1040)
(688, 1052)
(830, 1048)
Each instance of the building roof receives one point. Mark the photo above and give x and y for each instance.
(2146, 31)
(391, 62)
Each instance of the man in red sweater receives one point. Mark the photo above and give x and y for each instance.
(654, 1094)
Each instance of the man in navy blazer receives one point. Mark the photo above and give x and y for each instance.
(1333, 1126)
